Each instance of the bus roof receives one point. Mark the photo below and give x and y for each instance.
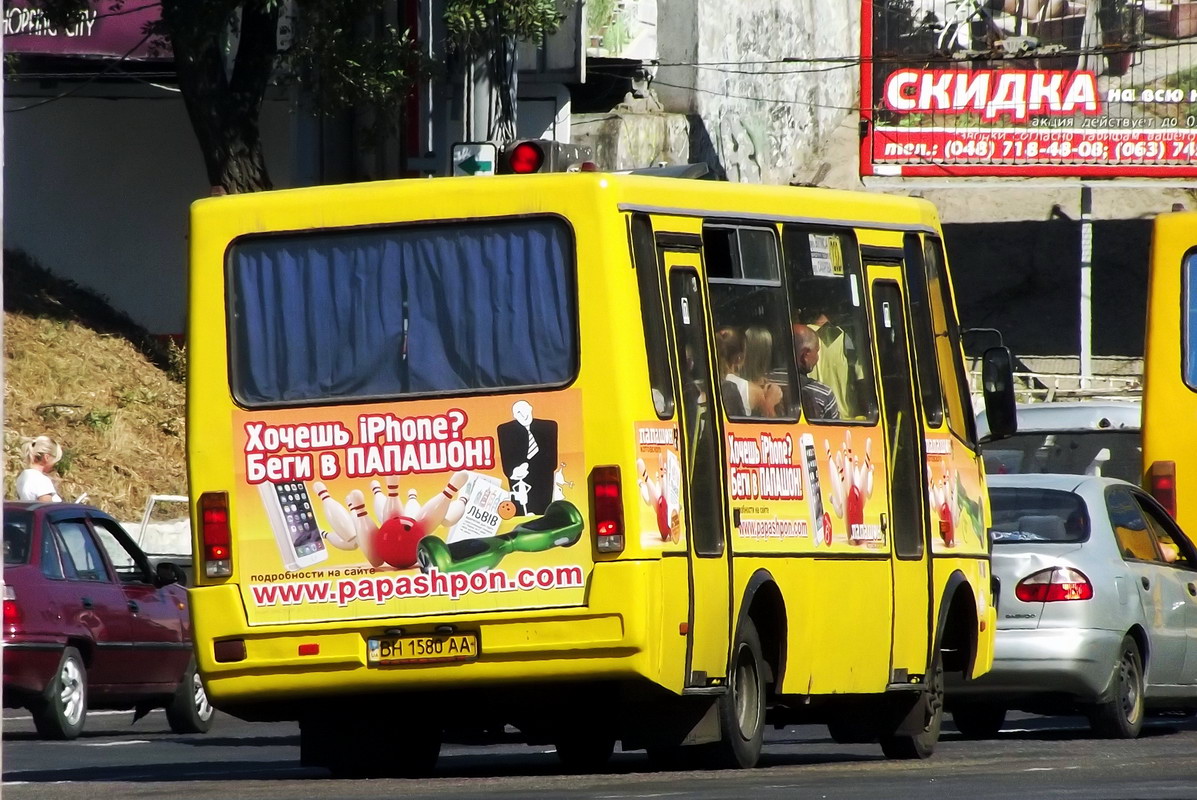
(381, 202)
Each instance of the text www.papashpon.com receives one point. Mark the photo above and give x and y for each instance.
(433, 584)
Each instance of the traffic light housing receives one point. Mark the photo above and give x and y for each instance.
(525, 156)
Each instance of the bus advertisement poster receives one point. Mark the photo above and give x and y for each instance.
(361, 512)
(1032, 88)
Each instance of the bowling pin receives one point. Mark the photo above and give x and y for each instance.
(380, 502)
(342, 524)
(394, 504)
(411, 509)
(433, 512)
(337, 542)
(366, 529)
(649, 491)
(455, 511)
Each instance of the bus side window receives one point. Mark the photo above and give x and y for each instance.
(924, 331)
(947, 344)
(656, 340)
(826, 293)
(753, 351)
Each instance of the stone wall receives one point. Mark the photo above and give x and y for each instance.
(755, 118)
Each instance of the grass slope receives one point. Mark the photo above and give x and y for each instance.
(89, 377)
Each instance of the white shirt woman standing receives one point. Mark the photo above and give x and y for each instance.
(41, 454)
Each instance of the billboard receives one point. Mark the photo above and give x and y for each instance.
(1068, 88)
(108, 29)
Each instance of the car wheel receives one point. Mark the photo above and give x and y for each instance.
(585, 752)
(1121, 717)
(63, 710)
(742, 708)
(979, 720)
(189, 710)
(927, 714)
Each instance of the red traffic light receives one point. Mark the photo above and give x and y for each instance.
(526, 157)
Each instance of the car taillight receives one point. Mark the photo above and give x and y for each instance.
(1054, 584)
(1162, 483)
(12, 612)
(606, 504)
(215, 534)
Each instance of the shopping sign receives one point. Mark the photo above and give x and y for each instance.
(972, 88)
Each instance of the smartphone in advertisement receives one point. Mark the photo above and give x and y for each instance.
(820, 531)
(293, 519)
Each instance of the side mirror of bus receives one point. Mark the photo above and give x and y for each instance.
(997, 383)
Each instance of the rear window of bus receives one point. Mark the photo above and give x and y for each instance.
(450, 308)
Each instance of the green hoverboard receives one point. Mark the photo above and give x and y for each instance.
(561, 526)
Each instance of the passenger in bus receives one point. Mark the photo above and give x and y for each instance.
(764, 396)
(729, 348)
(838, 364)
(818, 400)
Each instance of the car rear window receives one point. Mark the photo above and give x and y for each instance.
(16, 537)
(392, 312)
(1114, 454)
(1025, 514)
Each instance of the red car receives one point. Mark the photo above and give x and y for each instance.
(88, 623)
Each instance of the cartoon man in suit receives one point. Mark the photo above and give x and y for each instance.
(528, 451)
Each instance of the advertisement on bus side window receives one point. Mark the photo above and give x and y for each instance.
(954, 497)
(806, 489)
(431, 507)
(659, 481)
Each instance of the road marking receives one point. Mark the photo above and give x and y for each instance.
(91, 713)
(1039, 769)
(121, 743)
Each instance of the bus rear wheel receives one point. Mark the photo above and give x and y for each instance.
(585, 751)
(918, 731)
(742, 708)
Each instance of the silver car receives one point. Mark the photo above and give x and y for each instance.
(1097, 607)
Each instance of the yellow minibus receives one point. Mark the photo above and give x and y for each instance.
(1170, 366)
(600, 458)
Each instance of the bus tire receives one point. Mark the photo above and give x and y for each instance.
(585, 751)
(1121, 716)
(979, 720)
(742, 708)
(852, 730)
(917, 733)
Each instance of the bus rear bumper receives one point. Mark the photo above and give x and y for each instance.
(605, 640)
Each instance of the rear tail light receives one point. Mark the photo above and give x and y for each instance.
(1054, 584)
(1162, 480)
(12, 612)
(606, 505)
(215, 534)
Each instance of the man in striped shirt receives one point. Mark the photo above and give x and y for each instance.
(818, 401)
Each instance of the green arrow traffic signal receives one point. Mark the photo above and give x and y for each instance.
(472, 165)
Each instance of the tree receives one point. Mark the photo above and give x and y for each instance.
(341, 52)
(491, 29)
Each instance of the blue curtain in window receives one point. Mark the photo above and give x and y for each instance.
(383, 313)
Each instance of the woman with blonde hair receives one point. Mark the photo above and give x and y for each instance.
(41, 454)
(764, 396)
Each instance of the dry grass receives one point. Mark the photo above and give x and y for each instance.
(86, 376)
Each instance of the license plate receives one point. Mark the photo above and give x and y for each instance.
(384, 650)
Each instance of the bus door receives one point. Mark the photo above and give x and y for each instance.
(703, 492)
(905, 525)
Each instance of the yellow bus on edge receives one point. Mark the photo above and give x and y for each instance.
(1170, 366)
(606, 458)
